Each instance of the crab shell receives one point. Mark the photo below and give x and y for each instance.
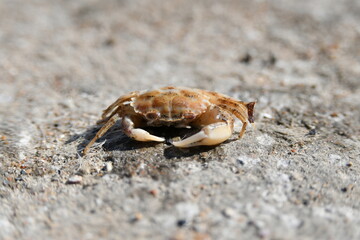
(180, 107)
(171, 106)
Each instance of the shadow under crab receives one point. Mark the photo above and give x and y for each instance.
(116, 140)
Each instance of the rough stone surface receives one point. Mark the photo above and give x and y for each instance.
(295, 176)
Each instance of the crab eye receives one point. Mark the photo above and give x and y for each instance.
(152, 115)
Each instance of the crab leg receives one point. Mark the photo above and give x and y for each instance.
(101, 132)
(243, 111)
(137, 133)
(115, 107)
(218, 128)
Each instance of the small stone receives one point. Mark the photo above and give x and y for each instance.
(240, 162)
(19, 179)
(312, 132)
(349, 164)
(229, 212)
(137, 217)
(76, 179)
(267, 115)
(348, 188)
(246, 59)
(181, 223)
(153, 192)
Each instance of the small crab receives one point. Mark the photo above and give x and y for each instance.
(179, 107)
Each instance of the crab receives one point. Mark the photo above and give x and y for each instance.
(178, 107)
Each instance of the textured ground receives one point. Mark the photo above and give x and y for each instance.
(295, 176)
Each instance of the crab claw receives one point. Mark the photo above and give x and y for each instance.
(144, 136)
(137, 133)
(212, 134)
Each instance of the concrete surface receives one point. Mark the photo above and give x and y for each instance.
(296, 176)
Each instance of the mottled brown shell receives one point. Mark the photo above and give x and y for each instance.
(170, 105)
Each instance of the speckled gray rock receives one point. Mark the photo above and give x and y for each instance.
(295, 176)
